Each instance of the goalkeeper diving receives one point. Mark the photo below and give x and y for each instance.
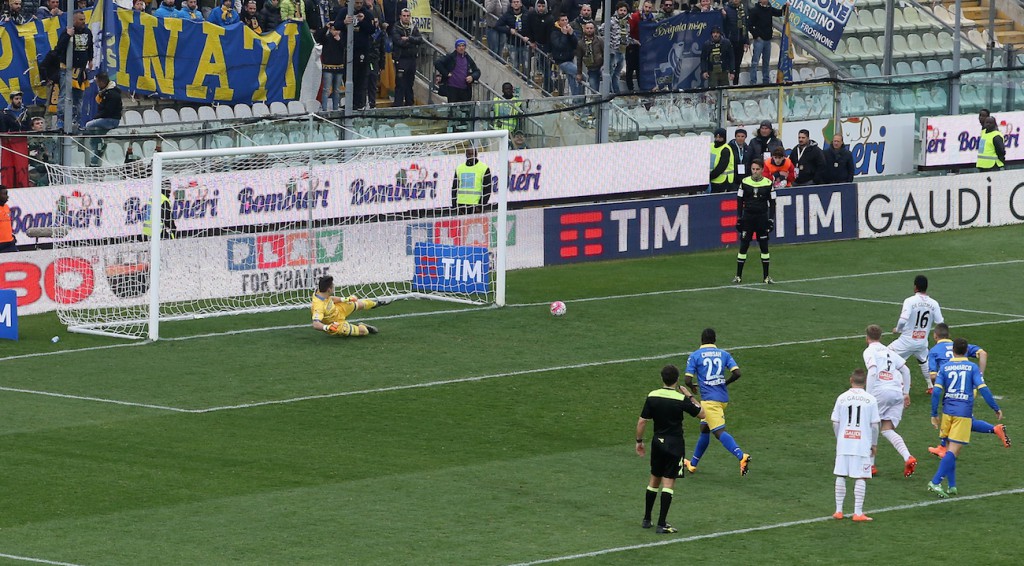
(330, 312)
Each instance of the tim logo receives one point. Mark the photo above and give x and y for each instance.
(580, 234)
(273, 251)
(935, 140)
(451, 269)
(728, 222)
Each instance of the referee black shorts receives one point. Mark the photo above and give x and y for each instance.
(756, 223)
(666, 453)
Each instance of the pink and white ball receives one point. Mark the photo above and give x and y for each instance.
(557, 308)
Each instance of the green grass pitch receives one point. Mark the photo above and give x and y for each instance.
(503, 436)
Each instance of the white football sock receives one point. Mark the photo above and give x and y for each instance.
(840, 493)
(859, 488)
(897, 441)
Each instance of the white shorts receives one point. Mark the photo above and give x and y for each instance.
(906, 347)
(857, 467)
(890, 406)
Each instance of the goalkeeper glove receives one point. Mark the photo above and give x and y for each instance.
(331, 328)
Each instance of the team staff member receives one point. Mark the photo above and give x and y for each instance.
(666, 407)
(471, 185)
(755, 213)
(722, 164)
(7, 241)
(991, 150)
(330, 312)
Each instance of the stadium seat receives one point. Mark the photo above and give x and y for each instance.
(296, 108)
(917, 46)
(931, 43)
(918, 67)
(402, 130)
(871, 49)
(978, 63)
(188, 115)
(151, 117)
(312, 106)
(367, 132)
(674, 117)
(947, 65)
(169, 116)
(854, 50)
(221, 141)
(189, 144)
(934, 66)
(821, 73)
(297, 136)
(659, 137)
(224, 112)
(806, 74)
(752, 110)
(206, 114)
(857, 72)
(901, 70)
(943, 14)
(385, 131)
(278, 109)
(769, 109)
(913, 18)
(898, 22)
(243, 111)
(858, 104)
(114, 154)
(900, 47)
(737, 114)
(796, 109)
(132, 118)
(168, 145)
(872, 70)
(260, 109)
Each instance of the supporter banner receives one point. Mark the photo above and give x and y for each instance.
(684, 224)
(229, 266)
(821, 20)
(881, 145)
(420, 10)
(953, 140)
(199, 62)
(278, 195)
(932, 204)
(670, 50)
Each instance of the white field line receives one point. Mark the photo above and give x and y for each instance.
(35, 560)
(861, 300)
(721, 534)
(517, 305)
(447, 381)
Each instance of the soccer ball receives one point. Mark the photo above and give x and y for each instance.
(557, 308)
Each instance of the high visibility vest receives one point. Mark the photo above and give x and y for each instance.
(716, 157)
(987, 158)
(750, 182)
(471, 183)
(147, 224)
(507, 112)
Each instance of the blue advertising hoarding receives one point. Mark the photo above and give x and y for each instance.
(8, 314)
(684, 224)
(451, 269)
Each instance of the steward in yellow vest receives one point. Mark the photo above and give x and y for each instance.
(991, 151)
(472, 183)
(723, 164)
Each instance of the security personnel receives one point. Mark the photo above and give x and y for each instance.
(507, 110)
(166, 218)
(755, 212)
(723, 164)
(472, 183)
(991, 151)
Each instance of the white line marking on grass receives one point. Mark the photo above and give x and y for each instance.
(750, 285)
(721, 534)
(96, 399)
(36, 560)
(76, 350)
(862, 300)
(538, 370)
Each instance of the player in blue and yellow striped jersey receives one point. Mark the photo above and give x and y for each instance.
(955, 387)
(937, 357)
(709, 364)
(330, 312)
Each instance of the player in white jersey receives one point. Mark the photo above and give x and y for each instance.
(919, 313)
(889, 382)
(855, 421)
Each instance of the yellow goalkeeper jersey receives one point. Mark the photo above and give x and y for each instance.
(327, 310)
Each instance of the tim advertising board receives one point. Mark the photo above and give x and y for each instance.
(881, 145)
(653, 227)
(932, 204)
(948, 141)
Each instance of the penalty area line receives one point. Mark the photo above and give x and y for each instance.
(774, 526)
(35, 560)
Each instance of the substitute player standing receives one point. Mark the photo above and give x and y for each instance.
(941, 353)
(855, 421)
(666, 407)
(755, 213)
(919, 313)
(330, 312)
(709, 364)
(955, 387)
(889, 382)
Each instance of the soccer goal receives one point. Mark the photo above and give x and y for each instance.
(252, 229)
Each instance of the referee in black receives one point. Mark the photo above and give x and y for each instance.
(666, 407)
(755, 213)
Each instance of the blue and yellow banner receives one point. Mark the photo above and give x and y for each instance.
(670, 50)
(785, 74)
(168, 57)
(821, 20)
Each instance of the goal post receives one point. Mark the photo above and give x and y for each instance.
(251, 229)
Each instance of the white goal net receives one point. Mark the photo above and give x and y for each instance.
(247, 230)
